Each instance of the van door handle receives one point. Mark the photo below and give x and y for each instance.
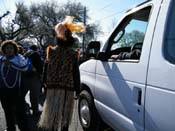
(139, 100)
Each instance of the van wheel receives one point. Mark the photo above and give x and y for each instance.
(87, 112)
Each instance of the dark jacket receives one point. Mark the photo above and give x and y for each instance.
(10, 75)
(35, 60)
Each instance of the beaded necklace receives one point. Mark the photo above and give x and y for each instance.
(4, 76)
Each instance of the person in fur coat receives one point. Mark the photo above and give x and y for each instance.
(63, 78)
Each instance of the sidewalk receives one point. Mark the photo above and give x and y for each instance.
(32, 119)
(2, 119)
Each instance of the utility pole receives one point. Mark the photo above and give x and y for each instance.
(84, 32)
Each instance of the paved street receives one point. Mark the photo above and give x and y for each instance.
(75, 125)
(2, 121)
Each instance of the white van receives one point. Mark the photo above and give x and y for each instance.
(133, 93)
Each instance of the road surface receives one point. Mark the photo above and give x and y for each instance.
(75, 125)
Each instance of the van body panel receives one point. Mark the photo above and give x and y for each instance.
(161, 72)
(112, 70)
(160, 95)
(159, 109)
(122, 106)
(87, 72)
(118, 82)
(125, 123)
(89, 66)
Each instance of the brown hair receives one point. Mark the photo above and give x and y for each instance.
(9, 42)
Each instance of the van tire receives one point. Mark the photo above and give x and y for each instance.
(88, 116)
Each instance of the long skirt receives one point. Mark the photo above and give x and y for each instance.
(58, 110)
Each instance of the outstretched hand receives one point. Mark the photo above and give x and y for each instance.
(115, 57)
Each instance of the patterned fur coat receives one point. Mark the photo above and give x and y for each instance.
(63, 69)
(62, 80)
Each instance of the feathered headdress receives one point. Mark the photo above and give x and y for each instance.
(60, 28)
(74, 27)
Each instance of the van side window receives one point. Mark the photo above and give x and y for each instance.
(127, 40)
(169, 41)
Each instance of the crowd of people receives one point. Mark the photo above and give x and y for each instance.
(22, 71)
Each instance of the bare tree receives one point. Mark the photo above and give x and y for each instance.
(38, 21)
(19, 27)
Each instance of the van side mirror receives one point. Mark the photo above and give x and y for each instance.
(92, 49)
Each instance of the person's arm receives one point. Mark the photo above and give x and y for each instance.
(37, 62)
(44, 74)
(76, 76)
(127, 55)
